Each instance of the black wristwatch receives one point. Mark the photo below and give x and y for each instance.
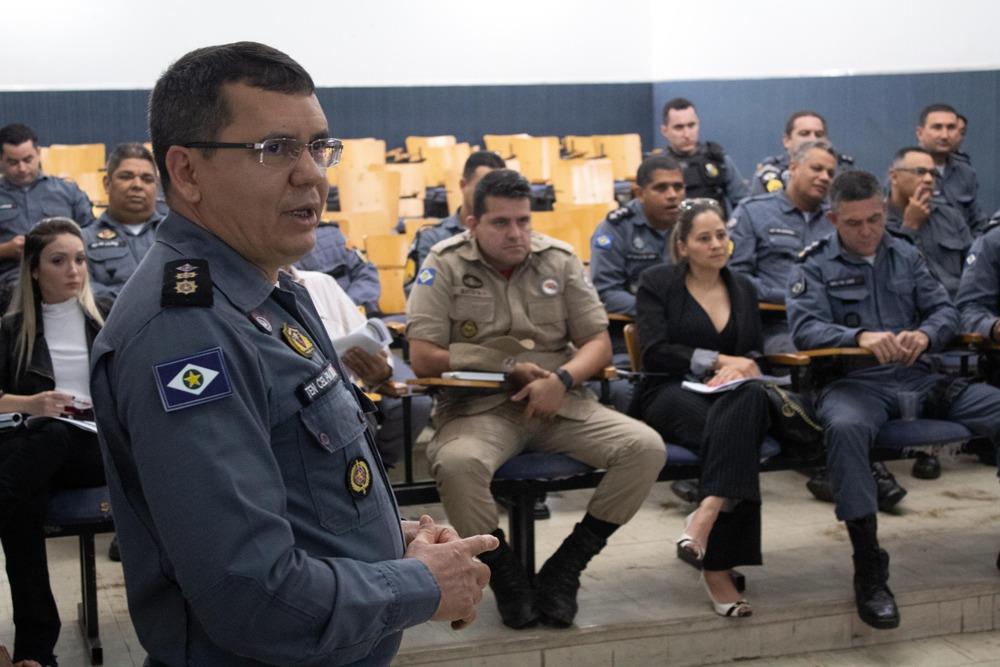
(566, 378)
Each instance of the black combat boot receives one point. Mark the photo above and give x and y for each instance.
(510, 584)
(559, 579)
(875, 602)
(927, 466)
(889, 490)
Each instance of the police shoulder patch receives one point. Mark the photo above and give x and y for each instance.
(186, 282)
(426, 276)
(602, 241)
(192, 380)
(812, 249)
(619, 214)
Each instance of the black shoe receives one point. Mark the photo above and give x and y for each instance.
(558, 581)
(889, 490)
(927, 466)
(819, 486)
(541, 510)
(686, 490)
(113, 552)
(876, 603)
(511, 587)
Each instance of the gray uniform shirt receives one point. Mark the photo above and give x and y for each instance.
(979, 291)
(959, 185)
(22, 207)
(768, 233)
(833, 295)
(114, 252)
(256, 521)
(944, 239)
(622, 247)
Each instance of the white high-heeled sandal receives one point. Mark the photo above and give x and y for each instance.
(688, 543)
(738, 609)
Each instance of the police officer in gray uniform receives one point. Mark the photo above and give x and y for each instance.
(117, 242)
(937, 228)
(256, 522)
(770, 230)
(708, 170)
(27, 195)
(863, 287)
(938, 134)
(772, 172)
(477, 165)
(355, 274)
(979, 291)
(634, 237)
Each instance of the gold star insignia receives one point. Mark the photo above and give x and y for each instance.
(186, 287)
(192, 379)
(186, 275)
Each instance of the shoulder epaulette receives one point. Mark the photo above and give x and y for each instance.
(619, 214)
(769, 161)
(962, 157)
(550, 243)
(812, 249)
(994, 223)
(844, 158)
(900, 234)
(450, 242)
(186, 282)
(715, 151)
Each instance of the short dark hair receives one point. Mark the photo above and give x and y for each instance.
(129, 151)
(187, 103)
(503, 183)
(676, 104)
(805, 113)
(854, 185)
(645, 172)
(931, 108)
(481, 159)
(906, 150)
(16, 134)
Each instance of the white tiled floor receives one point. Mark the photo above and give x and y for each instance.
(640, 606)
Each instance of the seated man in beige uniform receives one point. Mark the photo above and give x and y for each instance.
(498, 297)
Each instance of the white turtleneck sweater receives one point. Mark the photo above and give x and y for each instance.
(66, 337)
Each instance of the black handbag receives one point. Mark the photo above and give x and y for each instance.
(794, 424)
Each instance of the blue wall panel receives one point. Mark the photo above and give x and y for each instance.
(869, 117)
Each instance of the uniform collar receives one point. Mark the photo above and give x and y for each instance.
(640, 215)
(885, 245)
(243, 283)
(108, 221)
(469, 250)
(787, 206)
(7, 185)
(454, 222)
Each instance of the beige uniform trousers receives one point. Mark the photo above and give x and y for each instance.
(467, 450)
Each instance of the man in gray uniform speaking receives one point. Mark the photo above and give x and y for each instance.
(255, 518)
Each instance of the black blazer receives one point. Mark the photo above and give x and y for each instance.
(659, 302)
(38, 376)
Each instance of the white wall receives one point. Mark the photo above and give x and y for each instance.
(79, 44)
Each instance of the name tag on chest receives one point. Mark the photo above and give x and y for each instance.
(316, 386)
(852, 281)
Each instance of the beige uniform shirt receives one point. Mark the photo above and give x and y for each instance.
(461, 303)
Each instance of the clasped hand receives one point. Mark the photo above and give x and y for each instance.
(904, 347)
(733, 368)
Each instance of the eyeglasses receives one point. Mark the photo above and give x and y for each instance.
(689, 204)
(919, 171)
(284, 151)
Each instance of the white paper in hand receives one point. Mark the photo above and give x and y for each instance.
(371, 337)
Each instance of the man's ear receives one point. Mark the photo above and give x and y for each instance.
(183, 176)
(470, 221)
(107, 183)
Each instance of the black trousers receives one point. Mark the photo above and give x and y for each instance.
(726, 430)
(33, 463)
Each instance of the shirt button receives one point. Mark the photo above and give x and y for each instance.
(324, 439)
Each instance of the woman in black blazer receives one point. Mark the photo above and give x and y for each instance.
(697, 320)
(45, 340)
